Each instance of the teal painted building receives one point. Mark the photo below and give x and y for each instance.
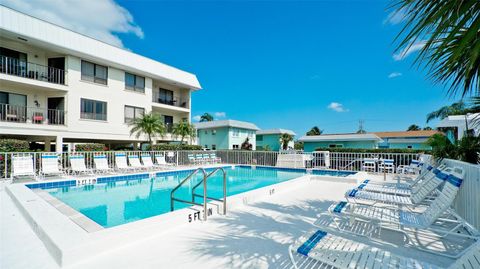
(355, 141)
(225, 134)
(387, 140)
(270, 139)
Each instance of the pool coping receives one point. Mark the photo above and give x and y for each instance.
(69, 243)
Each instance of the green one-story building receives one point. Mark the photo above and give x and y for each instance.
(270, 139)
(225, 134)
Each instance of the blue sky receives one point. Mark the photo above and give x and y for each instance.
(279, 64)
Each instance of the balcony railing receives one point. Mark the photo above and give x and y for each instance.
(33, 115)
(175, 101)
(15, 67)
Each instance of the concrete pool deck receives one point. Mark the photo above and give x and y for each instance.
(250, 236)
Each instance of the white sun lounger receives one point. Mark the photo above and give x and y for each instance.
(134, 161)
(214, 158)
(101, 164)
(402, 189)
(121, 162)
(418, 194)
(50, 165)
(414, 167)
(147, 161)
(160, 158)
(22, 165)
(77, 165)
(343, 253)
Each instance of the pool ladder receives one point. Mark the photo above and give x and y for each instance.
(204, 196)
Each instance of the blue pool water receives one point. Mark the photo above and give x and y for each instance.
(114, 203)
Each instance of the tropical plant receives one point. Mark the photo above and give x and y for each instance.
(184, 129)
(427, 128)
(466, 149)
(413, 127)
(206, 117)
(298, 145)
(149, 124)
(285, 139)
(246, 145)
(448, 33)
(314, 131)
(361, 131)
(457, 108)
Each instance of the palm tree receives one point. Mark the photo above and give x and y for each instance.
(427, 128)
(314, 131)
(457, 108)
(285, 139)
(149, 124)
(413, 127)
(448, 32)
(184, 129)
(206, 117)
(246, 145)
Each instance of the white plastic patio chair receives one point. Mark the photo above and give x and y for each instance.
(50, 165)
(147, 161)
(387, 165)
(340, 252)
(101, 164)
(77, 165)
(414, 168)
(369, 165)
(22, 165)
(419, 193)
(121, 162)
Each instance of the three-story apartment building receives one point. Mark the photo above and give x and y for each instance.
(60, 86)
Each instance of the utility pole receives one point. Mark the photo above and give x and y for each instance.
(360, 127)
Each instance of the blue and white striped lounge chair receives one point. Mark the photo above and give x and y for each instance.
(162, 162)
(438, 210)
(414, 168)
(387, 165)
(77, 165)
(147, 161)
(199, 158)
(214, 158)
(101, 164)
(418, 194)
(340, 252)
(134, 161)
(191, 159)
(206, 158)
(50, 165)
(401, 188)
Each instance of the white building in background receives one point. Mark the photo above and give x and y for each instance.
(456, 126)
(60, 86)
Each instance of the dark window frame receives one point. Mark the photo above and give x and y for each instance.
(94, 78)
(135, 87)
(135, 108)
(94, 114)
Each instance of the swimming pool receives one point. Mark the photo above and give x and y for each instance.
(114, 202)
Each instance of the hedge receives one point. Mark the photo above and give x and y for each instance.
(14, 145)
(176, 147)
(373, 150)
(91, 147)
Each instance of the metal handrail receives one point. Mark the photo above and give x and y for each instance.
(172, 198)
(350, 163)
(224, 200)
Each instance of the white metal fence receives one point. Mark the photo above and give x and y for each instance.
(467, 202)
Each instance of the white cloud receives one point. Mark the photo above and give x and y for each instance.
(394, 74)
(100, 19)
(337, 107)
(396, 17)
(220, 114)
(415, 46)
(197, 118)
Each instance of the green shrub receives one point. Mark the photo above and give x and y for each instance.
(176, 147)
(14, 145)
(91, 147)
(373, 150)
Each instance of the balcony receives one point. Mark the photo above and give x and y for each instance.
(15, 67)
(173, 101)
(33, 115)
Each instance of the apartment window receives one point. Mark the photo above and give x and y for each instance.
(132, 112)
(206, 146)
(236, 133)
(94, 72)
(335, 146)
(214, 132)
(206, 132)
(93, 110)
(214, 147)
(409, 147)
(235, 147)
(134, 82)
(164, 97)
(259, 137)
